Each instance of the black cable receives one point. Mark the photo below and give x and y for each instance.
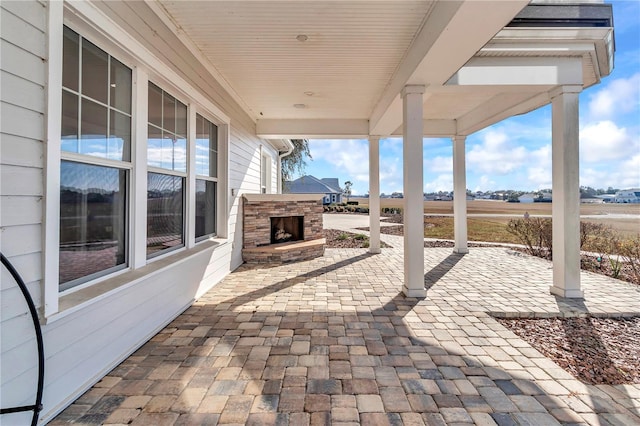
(37, 407)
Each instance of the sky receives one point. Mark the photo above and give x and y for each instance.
(516, 153)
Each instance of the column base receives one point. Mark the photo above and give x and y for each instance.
(566, 293)
(419, 293)
(461, 250)
(375, 250)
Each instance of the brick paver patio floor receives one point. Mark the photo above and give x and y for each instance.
(334, 341)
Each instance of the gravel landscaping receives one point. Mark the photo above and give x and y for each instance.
(594, 350)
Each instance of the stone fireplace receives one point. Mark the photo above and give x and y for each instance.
(281, 228)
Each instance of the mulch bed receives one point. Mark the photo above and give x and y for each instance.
(594, 350)
(343, 239)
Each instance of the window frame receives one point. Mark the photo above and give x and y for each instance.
(207, 178)
(89, 22)
(86, 159)
(171, 172)
(265, 172)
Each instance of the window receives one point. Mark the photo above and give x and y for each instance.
(206, 177)
(167, 161)
(265, 174)
(95, 162)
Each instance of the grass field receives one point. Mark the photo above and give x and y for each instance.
(493, 228)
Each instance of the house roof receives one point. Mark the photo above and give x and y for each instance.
(311, 185)
(336, 69)
(332, 183)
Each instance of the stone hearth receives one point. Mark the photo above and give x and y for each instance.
(259, 210)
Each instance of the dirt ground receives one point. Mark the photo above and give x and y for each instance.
(626, 226)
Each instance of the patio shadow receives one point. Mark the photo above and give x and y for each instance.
(441, 269)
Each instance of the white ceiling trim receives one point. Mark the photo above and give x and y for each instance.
(162, 13)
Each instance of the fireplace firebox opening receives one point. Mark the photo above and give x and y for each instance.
(289, 228)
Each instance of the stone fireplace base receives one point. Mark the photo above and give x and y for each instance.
(259, 210)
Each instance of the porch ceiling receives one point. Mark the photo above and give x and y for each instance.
(344, 79)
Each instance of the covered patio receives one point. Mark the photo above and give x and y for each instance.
(334, 341)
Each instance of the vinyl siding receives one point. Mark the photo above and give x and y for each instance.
(86, 342)
(22, 108)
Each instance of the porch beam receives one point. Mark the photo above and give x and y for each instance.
(374, 194)
(434, 128)
(413, 192)
(508, 71)
(459, 196)
(450, 23)
(566, 192)
(312, 128)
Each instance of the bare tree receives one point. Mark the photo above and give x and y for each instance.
(347, 189)
(296, 161)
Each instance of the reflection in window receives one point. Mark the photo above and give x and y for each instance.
(96, 101)
(167, 144)
(165, 212)
(205, 208)
(206, 147)
(207, 171)
(92, 221)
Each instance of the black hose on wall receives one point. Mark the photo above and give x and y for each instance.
(37, 407)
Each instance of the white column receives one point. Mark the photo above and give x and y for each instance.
(566, 192)
(459, 196)
(413, 193)
(374, 194)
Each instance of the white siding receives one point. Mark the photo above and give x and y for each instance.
(85, 342)
(22, 107)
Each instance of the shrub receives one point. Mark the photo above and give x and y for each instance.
(535, 233)
(595, 236)
(342, 236)
(391, 210)
(630, 253)
(360, 237)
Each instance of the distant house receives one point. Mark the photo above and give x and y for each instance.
(527, 198)
(308, 184)
(627, 196)
(545, 197)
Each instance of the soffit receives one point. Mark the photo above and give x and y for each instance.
(359, 54)
(352, 51)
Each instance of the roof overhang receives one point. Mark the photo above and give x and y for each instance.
(344, 80)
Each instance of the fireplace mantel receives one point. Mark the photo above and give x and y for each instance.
(260, 198)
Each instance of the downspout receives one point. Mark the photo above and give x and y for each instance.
(289, 150)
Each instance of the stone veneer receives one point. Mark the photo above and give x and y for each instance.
(258, 209)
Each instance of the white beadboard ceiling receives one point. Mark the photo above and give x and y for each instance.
(357, 56)
(352, 50)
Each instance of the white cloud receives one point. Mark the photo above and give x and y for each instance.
(485, 184)
(351, 155)
(442, 182)
(619, 96)
(438, 164)
(497, 154)
(605, 141)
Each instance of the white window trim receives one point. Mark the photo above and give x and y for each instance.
(86, 19)
(193, 177)
(265, 163)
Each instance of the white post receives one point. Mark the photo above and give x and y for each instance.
(374, 194)
(412, 127)
(566, 192)
(459, 196)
